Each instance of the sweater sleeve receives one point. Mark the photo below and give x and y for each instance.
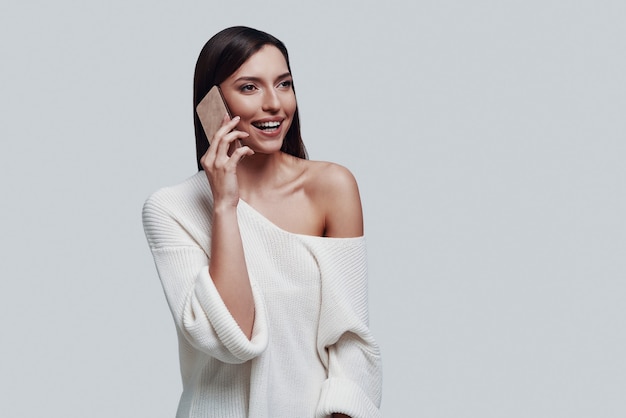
(198, 310)
(346, 345)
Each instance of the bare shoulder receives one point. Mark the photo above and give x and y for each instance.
(335, 191)
(330, 177)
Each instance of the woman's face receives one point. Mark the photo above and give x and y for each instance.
(260, 92)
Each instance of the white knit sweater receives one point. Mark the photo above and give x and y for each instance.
(311, 352)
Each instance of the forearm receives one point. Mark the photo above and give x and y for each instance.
(228, 270)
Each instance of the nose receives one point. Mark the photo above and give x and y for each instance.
(271, 101)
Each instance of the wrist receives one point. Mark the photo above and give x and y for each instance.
(225, 206)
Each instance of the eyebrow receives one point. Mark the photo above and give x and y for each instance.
(257, 79)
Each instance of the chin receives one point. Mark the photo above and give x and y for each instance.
(267, 149)
(264, 145)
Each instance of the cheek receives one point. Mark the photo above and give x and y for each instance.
(238, 105)
(290, 104)
(242, 108)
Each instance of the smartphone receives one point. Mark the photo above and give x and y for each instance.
(211, 111)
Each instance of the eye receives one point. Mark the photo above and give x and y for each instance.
(247, 87)
(286, 84)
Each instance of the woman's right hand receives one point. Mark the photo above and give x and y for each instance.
(227, 266)
(220, 167)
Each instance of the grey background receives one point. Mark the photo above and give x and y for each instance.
(488, 141)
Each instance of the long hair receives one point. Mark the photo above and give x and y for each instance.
(220, 57)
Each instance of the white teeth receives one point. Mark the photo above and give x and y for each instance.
(267, 125)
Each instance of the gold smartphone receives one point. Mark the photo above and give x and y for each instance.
(211, 111)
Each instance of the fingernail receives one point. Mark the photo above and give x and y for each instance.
(236, 118)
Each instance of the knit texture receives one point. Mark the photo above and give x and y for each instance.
(311, 352)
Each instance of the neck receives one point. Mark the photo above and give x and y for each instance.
(262, 172)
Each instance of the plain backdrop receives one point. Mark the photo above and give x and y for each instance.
(488, 139)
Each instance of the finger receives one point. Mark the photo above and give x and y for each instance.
(227, 126)
(221, 136)
(227, 143)
(239, 154)
(207, 160)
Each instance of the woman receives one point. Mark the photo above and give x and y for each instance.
(261, 255)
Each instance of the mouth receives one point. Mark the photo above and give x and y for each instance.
(271, 126)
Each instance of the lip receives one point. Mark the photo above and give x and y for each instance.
(272, 119)
(266, 133)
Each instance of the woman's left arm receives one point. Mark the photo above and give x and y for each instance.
(343, 213)
(345, 343)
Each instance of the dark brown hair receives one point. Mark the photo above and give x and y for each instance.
(220, 57)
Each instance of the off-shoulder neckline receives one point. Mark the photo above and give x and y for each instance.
(268, 222)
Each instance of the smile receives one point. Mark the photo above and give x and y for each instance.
(267, 126)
